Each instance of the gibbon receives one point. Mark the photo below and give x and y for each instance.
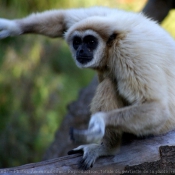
(135, 61)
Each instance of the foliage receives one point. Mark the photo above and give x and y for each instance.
(37, 80)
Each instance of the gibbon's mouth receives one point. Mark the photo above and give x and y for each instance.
(84, 60)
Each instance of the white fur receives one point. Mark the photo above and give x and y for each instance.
(143, 63)
(9, 28)
(97, 124)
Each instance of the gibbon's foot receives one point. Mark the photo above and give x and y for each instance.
(90, 154)
(74, 152)
(93, 134)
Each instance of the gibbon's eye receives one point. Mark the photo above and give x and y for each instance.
(76, 42)
(90, 41)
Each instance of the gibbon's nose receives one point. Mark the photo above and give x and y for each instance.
(82, 52)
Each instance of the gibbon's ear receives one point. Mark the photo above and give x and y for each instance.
(111, 39)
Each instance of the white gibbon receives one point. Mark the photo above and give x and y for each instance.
(135, 61)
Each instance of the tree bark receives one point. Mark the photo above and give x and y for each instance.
(144, 156)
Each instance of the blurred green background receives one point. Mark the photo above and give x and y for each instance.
(38, 78)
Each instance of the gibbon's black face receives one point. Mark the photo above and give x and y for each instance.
(84, 48)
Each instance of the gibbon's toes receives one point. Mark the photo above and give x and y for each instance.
(90, 154)
(74, 152)
(88, 159)
(79, 149)
(85, 164)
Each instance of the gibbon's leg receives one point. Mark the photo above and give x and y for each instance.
(105, 100)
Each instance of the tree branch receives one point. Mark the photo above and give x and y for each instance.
(144, 155)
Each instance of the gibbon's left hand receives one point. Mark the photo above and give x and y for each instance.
(93, 134)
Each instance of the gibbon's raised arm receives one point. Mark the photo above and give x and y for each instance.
(52, 23)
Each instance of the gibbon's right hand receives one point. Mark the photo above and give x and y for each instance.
(8, 28)
(93, 134)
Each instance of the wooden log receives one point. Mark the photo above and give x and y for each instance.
(155, 154)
